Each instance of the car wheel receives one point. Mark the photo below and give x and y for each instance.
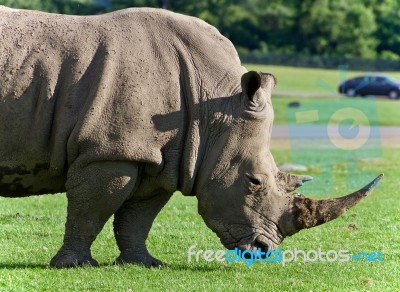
(393, 94)
(351, 92)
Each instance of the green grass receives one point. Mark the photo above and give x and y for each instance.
(309, 79)
(379, 112)
(383, 112)
(32, 230)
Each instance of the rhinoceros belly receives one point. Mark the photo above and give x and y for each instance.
(21, 181)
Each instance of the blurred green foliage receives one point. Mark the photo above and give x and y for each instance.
(358, 28)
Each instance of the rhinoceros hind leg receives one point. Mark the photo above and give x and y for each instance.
(132, 224)
(94, 194)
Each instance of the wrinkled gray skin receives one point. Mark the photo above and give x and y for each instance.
(123, 109)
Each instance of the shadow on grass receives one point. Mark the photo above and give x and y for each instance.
(22, 266)
(166, 267)
(200, 268)
(170, 267)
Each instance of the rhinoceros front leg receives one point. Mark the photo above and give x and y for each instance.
(132, 224)
(94, 194)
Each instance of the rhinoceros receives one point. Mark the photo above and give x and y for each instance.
(122, 109)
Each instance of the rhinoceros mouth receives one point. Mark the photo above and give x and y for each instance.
(247, 237)
(259, 243)
(255, 242)
(264, 244)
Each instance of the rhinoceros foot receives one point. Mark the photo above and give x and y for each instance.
(144, 259)
(71, 259)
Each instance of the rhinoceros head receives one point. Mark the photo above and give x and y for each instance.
(243, 197)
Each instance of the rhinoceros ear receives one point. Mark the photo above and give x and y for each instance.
(268, 80)
(251, 82)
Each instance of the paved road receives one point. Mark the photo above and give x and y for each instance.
(346, 138)
(320, 131)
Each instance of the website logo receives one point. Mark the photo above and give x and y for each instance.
(249, 257)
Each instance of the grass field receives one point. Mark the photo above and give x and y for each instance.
(32, 230)
(309, 79)
(385, 111)
(382, 112)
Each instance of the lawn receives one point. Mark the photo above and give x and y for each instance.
(32, 230)
(380, 112)
(383, 111)
(294, 79)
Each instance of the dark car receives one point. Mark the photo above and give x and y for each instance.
(372, 84)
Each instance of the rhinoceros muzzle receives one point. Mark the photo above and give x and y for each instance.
(264, 237)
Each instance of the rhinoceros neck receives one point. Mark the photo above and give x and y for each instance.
(191, 100)
(201, 105)
(207, 79)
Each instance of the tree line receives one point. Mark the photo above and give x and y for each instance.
(332, 28)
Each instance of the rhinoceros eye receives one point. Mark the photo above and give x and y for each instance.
(253, 180)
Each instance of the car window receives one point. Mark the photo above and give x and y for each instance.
(357, 79)
(368, 80)
(381, 80)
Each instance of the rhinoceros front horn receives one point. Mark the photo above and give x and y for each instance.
(307, 213)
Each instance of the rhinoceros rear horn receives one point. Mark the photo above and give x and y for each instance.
(289, 182)
(310, 213)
